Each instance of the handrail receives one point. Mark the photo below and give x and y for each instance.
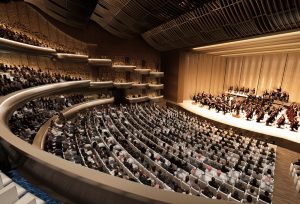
(39, 140)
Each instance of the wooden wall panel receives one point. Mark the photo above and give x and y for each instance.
(233, 72)
(213, 74)
(11, 13)
(250, 71)
(204, 70)
(217, 76)
(23, 13)
(190, 76)
(43, 26)
(203, 73)
(172, 79)
(33, 21)
(291, 82)
(271, 72)
(3, 14)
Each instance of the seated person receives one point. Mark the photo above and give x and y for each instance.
(207, 192)
(297, 162)
(224, 189)
(224, 169)
(195, 185)
(250, 160)
(213, 183)
(237, 167)
(244, 178)
(254, 183)
(265, 197)
(240, 186)
(252, 191)
(248, 199)
(236, 196)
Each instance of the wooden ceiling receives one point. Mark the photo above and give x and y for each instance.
(127, 18)
(176, 24)
(277, 43)
(75, 13)
(225, 20)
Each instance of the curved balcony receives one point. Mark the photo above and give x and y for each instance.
(99, 62)
(71, 57)
(102, 84)
(140, 86)
(14, 46)
(124, 68)
(137, 99)
(39, 140)
(155, 98)
(157, 74)
(143, 71)
(156, 86)
(123, 85)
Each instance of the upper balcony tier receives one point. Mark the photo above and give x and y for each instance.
(155, 98)
(125, 68)
(137, 99)
(123, 85)
(102, 84)
(157, 74)
(142, 71)
(156, 86)
(14, 46)
(71, 57)
(99, 62)
(140, 85)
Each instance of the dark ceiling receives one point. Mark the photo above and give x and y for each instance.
(225, 20)
(75, 13)
(173, 24)
(126, 18)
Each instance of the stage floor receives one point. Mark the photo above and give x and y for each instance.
(242, 123)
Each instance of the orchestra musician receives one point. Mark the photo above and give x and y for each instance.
(249, 113)
(260, 115)
(280, 121)
(294, 125)
(252, 105)
(272, 117)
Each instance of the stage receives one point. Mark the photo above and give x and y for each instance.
(283, 133)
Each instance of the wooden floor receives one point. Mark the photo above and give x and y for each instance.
(284, 189)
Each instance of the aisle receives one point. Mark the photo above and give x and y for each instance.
(284, 189)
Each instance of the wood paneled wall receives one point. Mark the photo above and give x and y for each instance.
(172, 78)
(214, 74)
(202, 73)
(19, 14)
(46, 64)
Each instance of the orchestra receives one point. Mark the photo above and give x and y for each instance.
(258, 108)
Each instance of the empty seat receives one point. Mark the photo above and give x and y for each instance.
(4, 180)
(261, 202)
(29, 198)
(9, 194)
(298, 186)
(21, 191)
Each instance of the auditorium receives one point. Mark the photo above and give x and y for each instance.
(149, 101)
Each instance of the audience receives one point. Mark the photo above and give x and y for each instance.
(164, 148)
(21, 34)
(26, 121)
(13, 78)
(265, 197)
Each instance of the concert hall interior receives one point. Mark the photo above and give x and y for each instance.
(149, 101)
